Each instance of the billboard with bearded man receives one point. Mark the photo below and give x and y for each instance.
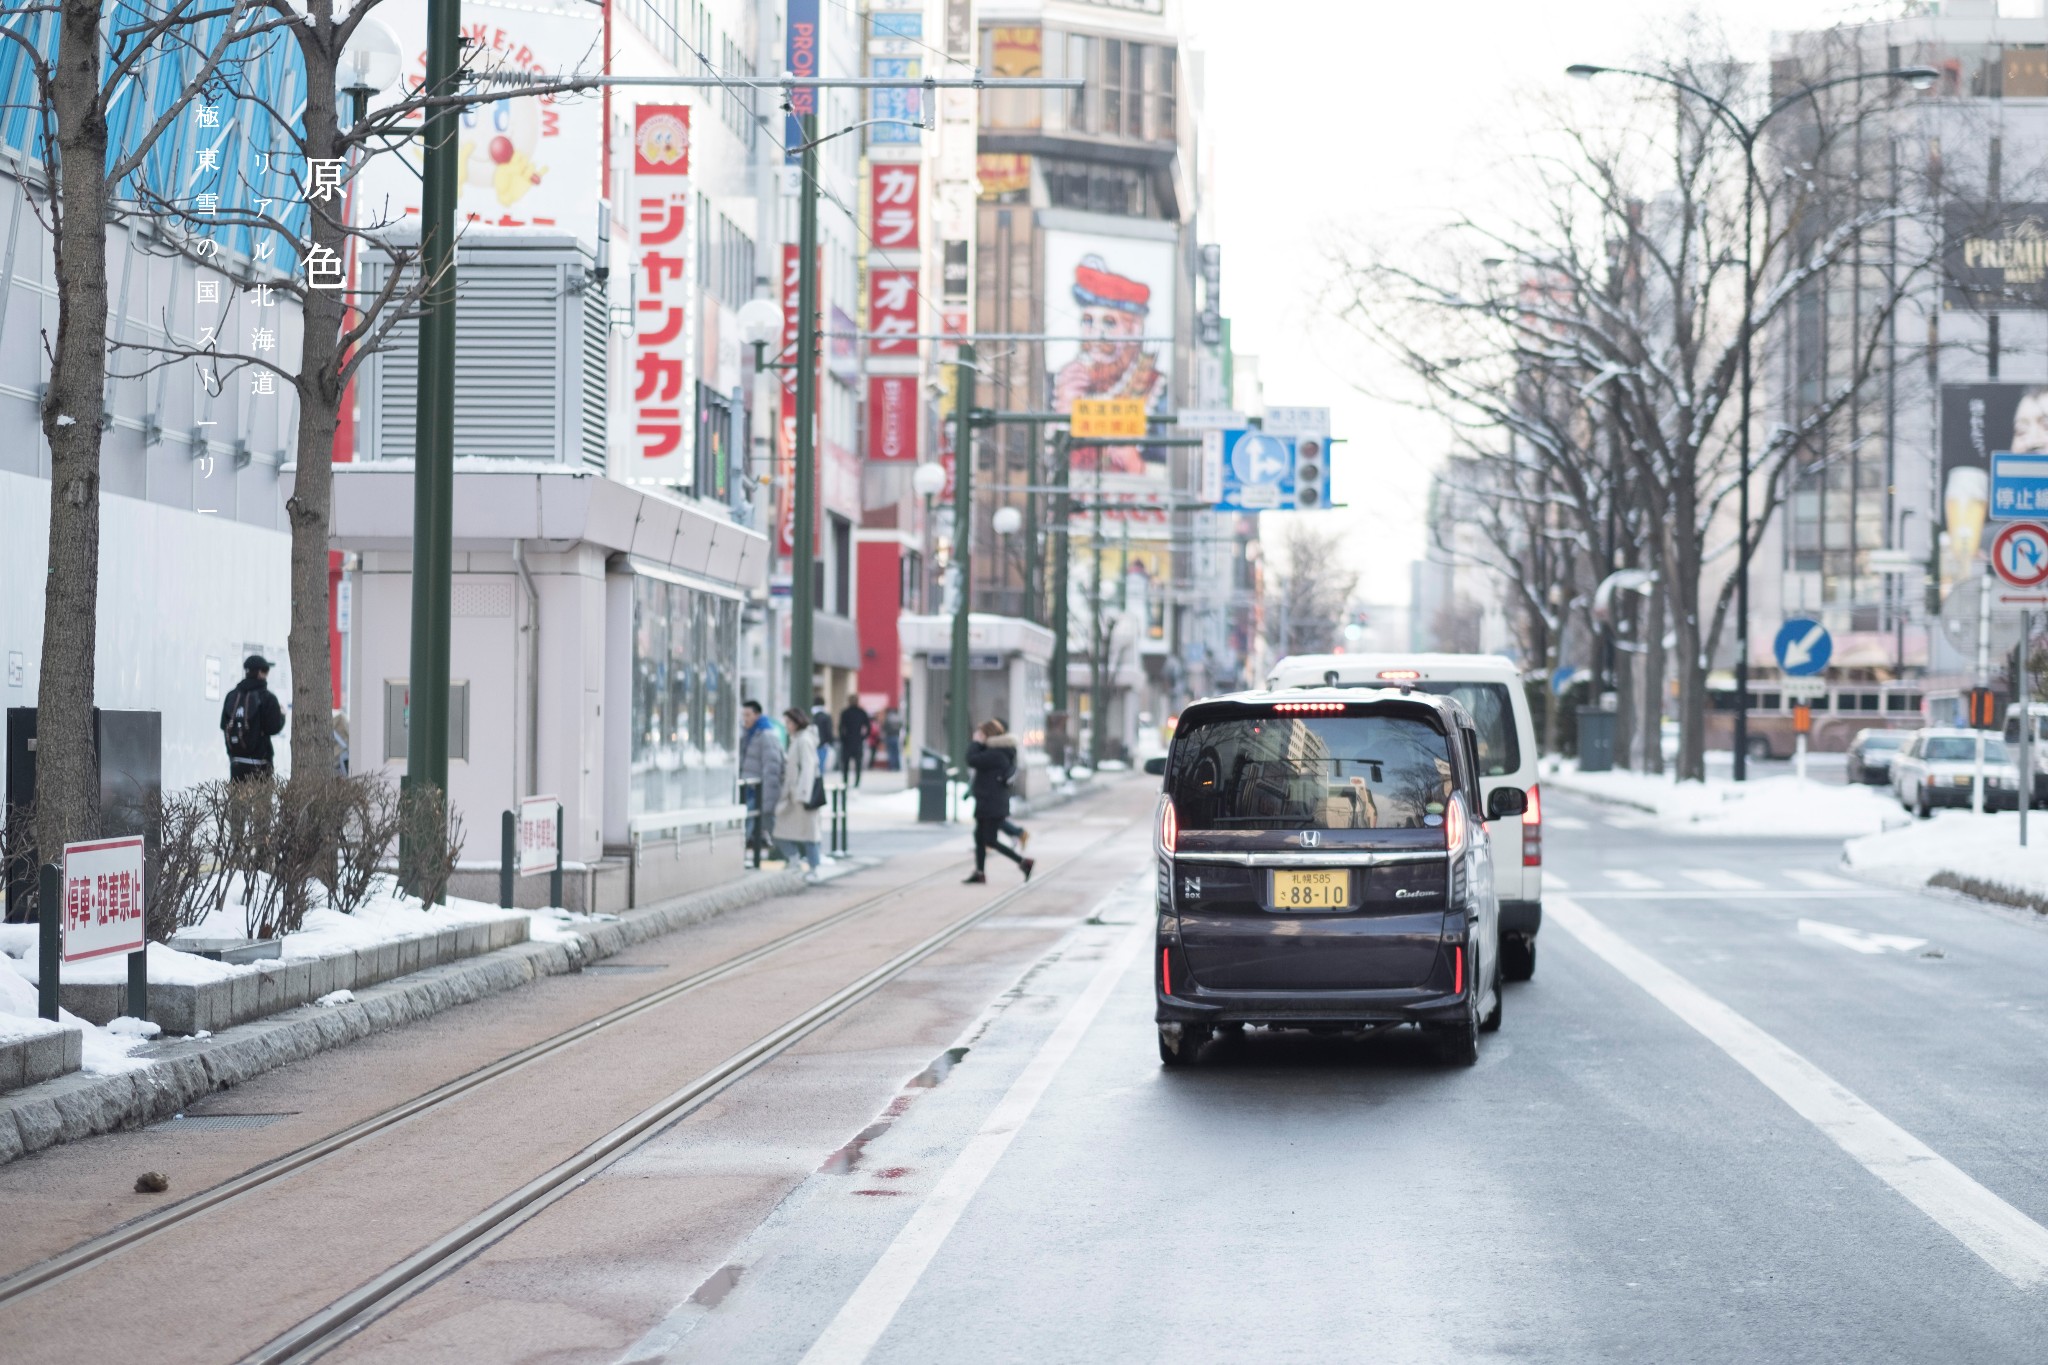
(1112, 293)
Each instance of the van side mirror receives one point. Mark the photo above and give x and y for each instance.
(1506, 801)
(1155, 767)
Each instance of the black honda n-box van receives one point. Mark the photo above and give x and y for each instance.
(1325, 863)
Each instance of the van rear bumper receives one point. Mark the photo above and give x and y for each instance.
(1521, 917)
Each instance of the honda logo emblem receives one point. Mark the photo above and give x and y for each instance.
(1310, 838)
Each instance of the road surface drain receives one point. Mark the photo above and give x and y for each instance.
(205, 1123)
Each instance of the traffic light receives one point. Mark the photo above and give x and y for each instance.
(1985, 709)
(1309, 472)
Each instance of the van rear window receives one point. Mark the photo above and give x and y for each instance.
(1310, 772)
(1493, 712)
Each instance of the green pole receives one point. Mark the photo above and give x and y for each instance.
(963, 564)
(434, 431)
(1098, 643)
(1033, 560)
(1062, 509)
(802, 594)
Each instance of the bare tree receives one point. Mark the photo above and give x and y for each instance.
(1311, 587)
(85, 57)
(1654, 350)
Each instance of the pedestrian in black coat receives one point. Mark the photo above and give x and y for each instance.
(249, 717)
(991, 792)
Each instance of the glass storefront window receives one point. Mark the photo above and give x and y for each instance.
(685, 711)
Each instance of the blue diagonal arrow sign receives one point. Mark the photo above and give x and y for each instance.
(1803, 647)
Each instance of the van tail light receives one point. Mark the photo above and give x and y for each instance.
(1454, 825)
(1458, 970)
(1532, 829)
(1166, 971)
(1169, 827)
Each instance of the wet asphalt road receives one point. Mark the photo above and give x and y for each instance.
(1748, 1109)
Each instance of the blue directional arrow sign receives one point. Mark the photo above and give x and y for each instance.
(1803, 647)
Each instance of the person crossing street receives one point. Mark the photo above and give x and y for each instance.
(991, 792)
(854, 724)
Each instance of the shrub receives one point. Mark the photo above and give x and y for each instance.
(425, 862)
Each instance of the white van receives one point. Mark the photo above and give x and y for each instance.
(1490, 687)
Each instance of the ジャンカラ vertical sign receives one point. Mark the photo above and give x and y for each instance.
(661, 335)
(103, 901)
(538, 847)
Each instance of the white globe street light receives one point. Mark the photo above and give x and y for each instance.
(929, 480)
(760, 321)
(1007, 521)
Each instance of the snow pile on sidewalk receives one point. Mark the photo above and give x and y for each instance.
(1782, 806)
(102, 1051)
(384, 917)
(1976, 854)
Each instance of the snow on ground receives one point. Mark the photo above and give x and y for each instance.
(1983, 848)
(384, 917)
(1782, 806)
(103, 1050)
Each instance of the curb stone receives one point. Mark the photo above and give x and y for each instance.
(181, 1070)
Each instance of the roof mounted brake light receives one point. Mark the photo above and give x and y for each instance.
(1400, 674)
(1293, 707)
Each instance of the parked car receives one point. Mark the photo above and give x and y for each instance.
(1325, 863)
(1489, 687)
(1939, 768)
(2037, 760)
(1871, 754)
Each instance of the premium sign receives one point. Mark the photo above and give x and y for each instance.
(1094, 418)
(1997, 256)
(892, 418)
(103, 903)
(539, 837)
(661, 336)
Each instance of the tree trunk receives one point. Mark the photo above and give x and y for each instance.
(321, 393)
(1684, 598)
(67, 792)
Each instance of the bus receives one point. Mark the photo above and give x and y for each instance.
(1839, 711)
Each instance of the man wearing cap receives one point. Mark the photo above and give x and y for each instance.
(248, 719)
(1113, 361)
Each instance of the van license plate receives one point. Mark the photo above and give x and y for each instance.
(1312, 890)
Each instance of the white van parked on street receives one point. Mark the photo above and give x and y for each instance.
(1490, 687)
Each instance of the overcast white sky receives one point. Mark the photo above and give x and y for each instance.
(1328, 115)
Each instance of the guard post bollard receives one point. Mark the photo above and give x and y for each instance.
(508, 858)
(750, 797)
(839, 821)
(138, 983)
(555, 877)
(50, 928)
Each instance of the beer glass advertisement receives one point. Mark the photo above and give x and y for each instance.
(1977, 421)
(1116, 295)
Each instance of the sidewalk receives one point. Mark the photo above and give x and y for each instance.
(1785, 807)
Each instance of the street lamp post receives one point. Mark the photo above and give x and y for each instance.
(803, 540)
(963, 563)
(1746, 134)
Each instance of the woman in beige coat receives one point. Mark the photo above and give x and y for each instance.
(796, 824)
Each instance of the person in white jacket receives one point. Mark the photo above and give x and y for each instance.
(796, 820)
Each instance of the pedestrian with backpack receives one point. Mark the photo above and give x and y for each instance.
(1001, 740)
(249, 719)
(803, 794)
(991, 793)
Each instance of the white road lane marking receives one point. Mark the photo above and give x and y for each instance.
(2008, 1241)
(1632, 880)
(1860, 895)
(1572, 822)
(864, 1317)
(1856, 940)
(1721, 879)
(1553, 882)
(1818, 881)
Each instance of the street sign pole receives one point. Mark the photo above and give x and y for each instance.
(426, 765)
(1063, 510)
(957, 675)
(803, 539)
(2026, 793)
(1983, 681)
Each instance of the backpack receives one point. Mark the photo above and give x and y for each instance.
(817, 801)
(244, 724)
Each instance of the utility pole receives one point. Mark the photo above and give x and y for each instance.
(957, 677)
(1062, 510)
(803, 540)
(426, 758)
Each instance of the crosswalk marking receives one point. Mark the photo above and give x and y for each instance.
(1553, 882)
(1819, 881)
(1632, 880)
(1721, 879)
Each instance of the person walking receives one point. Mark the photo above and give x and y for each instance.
(796, 819)
(1000, 739)
(821, 725)
(761, 765)
(991, 792)
(892, 738)
(854, 724)
(249, 718)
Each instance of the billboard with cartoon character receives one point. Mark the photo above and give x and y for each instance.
(1110, 299)
(530, 162)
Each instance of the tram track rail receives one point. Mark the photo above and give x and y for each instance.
(324, 1330)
